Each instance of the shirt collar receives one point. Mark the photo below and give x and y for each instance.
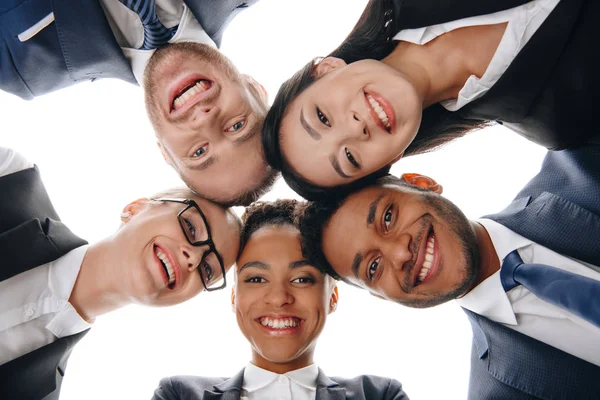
(489, 298)
(256, 378)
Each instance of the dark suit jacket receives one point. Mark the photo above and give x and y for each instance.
(365, 387)
(79, 45)
(549, 92)
(559, 209)
(31, 235)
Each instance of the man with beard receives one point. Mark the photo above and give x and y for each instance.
(527, 277)
(87, 40)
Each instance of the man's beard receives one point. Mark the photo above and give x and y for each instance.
(461, 229)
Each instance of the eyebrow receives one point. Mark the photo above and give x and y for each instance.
(298, 264)
(356, 263)
(372, 209)
(309, 129)
(336, 166)
(204, 164)
(255, 264)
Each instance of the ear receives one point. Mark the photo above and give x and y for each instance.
(233, 299)
(163, 152)
(423, 181)
(258, 88)
(133, 208)
(327, 65)
(333, 300)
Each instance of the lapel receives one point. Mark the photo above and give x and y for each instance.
(215, 15)
(39, 373)
(328, 389)
(89, 47)
(227, 390)
(556, 223)
(529, 72)
(528, 365)
(30, 245)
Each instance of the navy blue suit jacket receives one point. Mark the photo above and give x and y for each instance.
(79, 45)
(559, 209)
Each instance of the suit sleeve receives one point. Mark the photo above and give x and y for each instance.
(165, 391)
(395, 392)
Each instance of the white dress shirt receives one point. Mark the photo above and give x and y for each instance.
(34, 305)
(522, 311)
(523, 22)
(129, 32)
(300, 384)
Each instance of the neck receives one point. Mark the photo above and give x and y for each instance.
(97, 290)
(488, 258)
(440, 68)
(304, 360)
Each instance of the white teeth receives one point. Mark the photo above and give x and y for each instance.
(279, 323)
(428, 260)
(200, 86)
(379, 110)
(168, 268)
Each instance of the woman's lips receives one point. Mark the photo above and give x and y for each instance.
(376, 101)
(280, 325)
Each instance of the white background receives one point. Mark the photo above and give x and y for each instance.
(96, 152)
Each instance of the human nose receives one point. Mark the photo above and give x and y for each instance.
(278, 295)
(357, 127)
(192, 256)
(204, 116)
(398, 250)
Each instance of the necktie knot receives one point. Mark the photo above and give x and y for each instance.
(507, 272)
(155, 33)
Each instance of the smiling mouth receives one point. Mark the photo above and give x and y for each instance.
(427, 264)
(167, 267)
(381, 114)
(280, 323)
(199, 86)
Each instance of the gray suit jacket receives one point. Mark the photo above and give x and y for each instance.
(364, 387)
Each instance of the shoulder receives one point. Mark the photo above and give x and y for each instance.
(185, 387)
(372, 386)
(12, 161)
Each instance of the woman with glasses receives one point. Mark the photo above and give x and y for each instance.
(413, 75)
(281, 303)
(53, 284)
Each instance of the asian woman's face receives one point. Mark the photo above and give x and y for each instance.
(352, 121)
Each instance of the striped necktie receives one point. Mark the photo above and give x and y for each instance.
(155, 34)
(575, 293)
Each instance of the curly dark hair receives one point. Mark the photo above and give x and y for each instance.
(368, 40)
(316, 216)
(278, 213)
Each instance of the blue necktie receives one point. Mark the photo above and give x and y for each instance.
(155, 34)
(575, 293)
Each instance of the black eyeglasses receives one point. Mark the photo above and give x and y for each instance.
(196, 229)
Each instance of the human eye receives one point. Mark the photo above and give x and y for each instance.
(372, 268)
(237, 126)
(207, 270)
(200, 151)
(324, 120)
(304, 280)
(255, 279)
(351, 158)
(387, 218)
(190, 228)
